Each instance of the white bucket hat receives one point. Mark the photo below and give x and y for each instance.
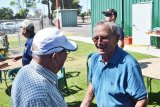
(52, 40)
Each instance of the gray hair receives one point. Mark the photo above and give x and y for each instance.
(112, 26)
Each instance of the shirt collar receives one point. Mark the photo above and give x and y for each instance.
(32, 35)
(114, 58)
(44, 72)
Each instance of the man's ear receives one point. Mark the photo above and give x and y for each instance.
(113, 18)
(54, 58)
(24, 30)
(53, 55)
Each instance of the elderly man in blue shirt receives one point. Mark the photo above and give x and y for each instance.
(36, 84)
(115, 76)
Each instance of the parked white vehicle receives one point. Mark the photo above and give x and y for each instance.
(9, 27)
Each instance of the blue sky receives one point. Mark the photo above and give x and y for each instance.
(5, 3)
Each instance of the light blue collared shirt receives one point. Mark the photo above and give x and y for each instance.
(119, 83)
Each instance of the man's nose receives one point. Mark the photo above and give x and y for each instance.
(99, 39)
(99, 42)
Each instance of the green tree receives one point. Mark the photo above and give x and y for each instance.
(75, 5)
(22, 14)
(82, 16)
(89, 12)
(67, 4)
(6, 13)
(23, 6)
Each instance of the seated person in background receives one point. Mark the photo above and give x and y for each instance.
(27, 30)
(36, 84)
(111, 15)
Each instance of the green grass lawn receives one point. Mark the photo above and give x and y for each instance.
(76, 78)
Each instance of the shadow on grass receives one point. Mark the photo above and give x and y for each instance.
(72, 74)
(77, 104)
(71, 90)
(154, 98)
(144, 64)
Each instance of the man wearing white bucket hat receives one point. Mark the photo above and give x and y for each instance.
(36, 84)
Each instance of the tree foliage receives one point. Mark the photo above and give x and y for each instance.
(89, 12)
(82, 16)
(23, 6)
(22, 14)
(68, 4)
(6, 13)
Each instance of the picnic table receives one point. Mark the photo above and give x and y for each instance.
(150, 69)
(11, 65)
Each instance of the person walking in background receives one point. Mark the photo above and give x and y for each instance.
(27, 30)
(36, 84)
(115, 76)
(111, 15)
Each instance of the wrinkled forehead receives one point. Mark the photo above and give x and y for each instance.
(102, 30)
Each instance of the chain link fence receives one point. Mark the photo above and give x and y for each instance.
(10, 30)
(10, 25)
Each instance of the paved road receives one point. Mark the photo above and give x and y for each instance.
(83, 29)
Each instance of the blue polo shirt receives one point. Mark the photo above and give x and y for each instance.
(119, 83)
(27, 53)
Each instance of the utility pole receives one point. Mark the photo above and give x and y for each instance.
(58, 22)
(49, 14)
(63, 4)
(46, 2)
(87, 10)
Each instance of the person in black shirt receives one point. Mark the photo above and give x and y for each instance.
(111, 15)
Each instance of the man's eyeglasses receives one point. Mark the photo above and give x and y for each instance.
(102, 38)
